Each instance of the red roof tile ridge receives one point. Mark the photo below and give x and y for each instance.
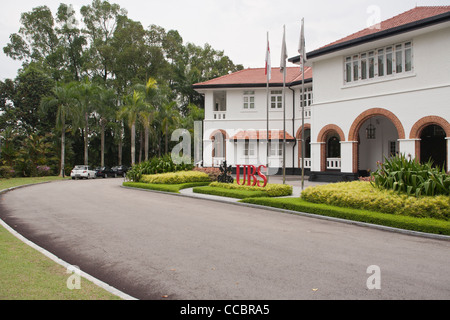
(391, 23)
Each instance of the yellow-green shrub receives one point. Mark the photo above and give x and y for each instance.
(362, 195)
(272, 189)
(176, 177)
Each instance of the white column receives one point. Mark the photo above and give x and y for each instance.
(407, 147)
(347, 156)
(315, 156)
(448, 153)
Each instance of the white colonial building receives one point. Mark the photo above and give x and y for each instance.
(381, 91)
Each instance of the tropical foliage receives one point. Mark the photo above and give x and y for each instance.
(176, 177)
(156, 165)
(411, 177)
(362, 195)
(101, 90)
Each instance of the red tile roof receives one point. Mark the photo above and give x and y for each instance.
(261, 135)
(413, 15)
(257, 76)
(417, 17)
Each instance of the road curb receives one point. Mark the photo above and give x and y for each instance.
(59, 261)
(304, 214)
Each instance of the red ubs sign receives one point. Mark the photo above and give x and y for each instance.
(250, 172)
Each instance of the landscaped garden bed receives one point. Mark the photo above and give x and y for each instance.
(240, 191)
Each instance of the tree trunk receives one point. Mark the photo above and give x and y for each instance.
(146, 143)
(140, 146)
(133, 144)
(120, 145)
(63, 150)
(167, 137)
(102, 143)
(86, 158)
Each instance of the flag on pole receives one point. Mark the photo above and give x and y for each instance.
(284, 55)
(268, 63)
(301, 45)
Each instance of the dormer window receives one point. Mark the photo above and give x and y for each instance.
(378, 63)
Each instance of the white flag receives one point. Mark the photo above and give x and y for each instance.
(268, 63)
(301, 45)
(284, 55)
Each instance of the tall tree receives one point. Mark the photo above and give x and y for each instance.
(86, 95)
(133, 104)
(105, 111)
(71, 40)
(64, 100)
(100, 19)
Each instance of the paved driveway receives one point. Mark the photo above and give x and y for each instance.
(151, 245)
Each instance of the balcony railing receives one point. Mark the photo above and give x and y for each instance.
(219, 115)
(307, 163)
(334, 163)
(218, 161)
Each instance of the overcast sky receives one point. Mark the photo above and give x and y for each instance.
(238, 27)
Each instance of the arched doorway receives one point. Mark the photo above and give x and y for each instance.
(433, 145)
(387, 142)
(378, 140)
(307, 139)
(219, 149)
(330, 138)
(432, 131)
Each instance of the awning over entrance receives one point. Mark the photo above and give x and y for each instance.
(262, 135)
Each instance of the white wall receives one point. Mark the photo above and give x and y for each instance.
(424, 92)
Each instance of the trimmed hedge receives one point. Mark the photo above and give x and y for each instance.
(272, 189)
(427, 225)
(231, 193)
(176, 177)
(362, 195)
(175, 188)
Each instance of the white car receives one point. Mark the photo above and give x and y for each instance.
(82, 172)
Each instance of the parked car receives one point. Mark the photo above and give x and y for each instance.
(104, 172)
(120, 171)
(82, 171)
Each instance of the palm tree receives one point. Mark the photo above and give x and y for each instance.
(87, 100)
(146, 116)
(64, 100)
(133, 104)
(105, 111)
(169, 116)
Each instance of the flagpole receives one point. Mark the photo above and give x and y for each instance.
(301, 50)
(283, 66)
(268, 75)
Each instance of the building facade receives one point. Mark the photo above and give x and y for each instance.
(379, 92)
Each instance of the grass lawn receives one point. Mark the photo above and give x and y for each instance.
(16, 182)
(428, 225)
(26, 274)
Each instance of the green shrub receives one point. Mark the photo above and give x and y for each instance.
(175, 188)
(427, 225)
(156, 165)
(6, 172)
(272, 189)
(411, 177)
(176, 177)
(362, 195)
(232, 193)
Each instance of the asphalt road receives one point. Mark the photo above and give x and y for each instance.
(157, 246)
